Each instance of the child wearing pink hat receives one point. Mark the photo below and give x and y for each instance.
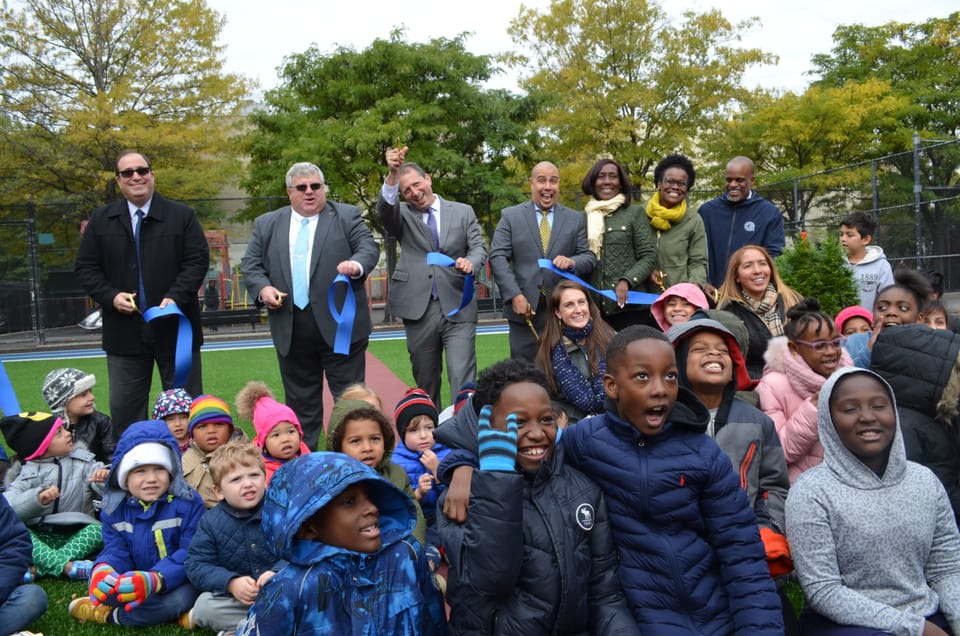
(678, 304)
(854, 319)
(279, 434)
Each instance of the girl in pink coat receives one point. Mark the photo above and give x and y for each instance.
(797, 365)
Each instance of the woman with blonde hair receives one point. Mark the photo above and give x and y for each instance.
(572, 351)
(754, 292)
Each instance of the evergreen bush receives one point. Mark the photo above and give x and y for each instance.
(819, 270)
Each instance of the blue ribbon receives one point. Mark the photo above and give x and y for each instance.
(633, 298)
(436, 258)
(8, 397)
(183, 356)
(344, 318)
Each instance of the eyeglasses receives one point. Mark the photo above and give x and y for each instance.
(821, 346)
(302, 187)
(676, 184)
(129, 172)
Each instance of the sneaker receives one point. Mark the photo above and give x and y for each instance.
(30, 575)
(186, 621)
(220, 633)
(79, 570)
(84, 610)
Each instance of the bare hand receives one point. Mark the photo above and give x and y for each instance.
(430, 461)
(48, 496)
(656, 277)
(463, 266)
(929, 629)
(99, 476)
(348, 268)
(167, 301)
(244, 589)
(424, 485)
(712, 292)
(395, 158)
(877, 328)
(622, 288)
(272, 297)
(563, 263)
(263, 578)
(521, 306)
(458, 494)
(125, 302)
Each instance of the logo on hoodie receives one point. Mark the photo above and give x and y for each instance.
(750, 226)
(585, 516)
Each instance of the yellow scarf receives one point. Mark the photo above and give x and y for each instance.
(663, 218)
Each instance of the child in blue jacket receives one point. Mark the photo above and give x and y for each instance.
(149, 517)
(354, 566)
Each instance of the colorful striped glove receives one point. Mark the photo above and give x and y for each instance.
(135, 586)
(103, 583)
(498, 449)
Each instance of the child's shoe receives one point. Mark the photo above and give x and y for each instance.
(79, 570)
(30, 575)
(84, 610)
(186, 620)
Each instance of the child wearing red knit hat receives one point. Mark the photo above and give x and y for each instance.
(279, 434)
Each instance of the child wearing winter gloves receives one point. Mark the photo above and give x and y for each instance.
(149, 516)
(53, 494)
(69, 394)
(279, 435)
(173, 407)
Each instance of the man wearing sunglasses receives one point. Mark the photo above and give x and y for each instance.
(139, 252)
(292, 259)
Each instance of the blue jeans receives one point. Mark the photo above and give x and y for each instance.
(158, 608)
(25, 604)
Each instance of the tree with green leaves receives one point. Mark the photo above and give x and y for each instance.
(343, 110)
(627, 81)
(81, 80)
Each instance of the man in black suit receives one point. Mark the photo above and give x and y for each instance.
(311, 241)
(172, 264)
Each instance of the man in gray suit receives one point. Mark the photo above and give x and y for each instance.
(518, 243)
(292, 259)
(422, 295)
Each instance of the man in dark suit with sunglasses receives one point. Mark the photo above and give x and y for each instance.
(167, 267)
(292, 259)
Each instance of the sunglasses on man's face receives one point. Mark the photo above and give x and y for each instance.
(129, 172)
(302, 187)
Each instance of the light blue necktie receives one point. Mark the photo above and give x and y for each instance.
(301, 293)
(142, 301)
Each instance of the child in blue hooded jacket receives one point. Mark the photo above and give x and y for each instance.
(354, 566)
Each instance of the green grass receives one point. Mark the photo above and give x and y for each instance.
(224, 374)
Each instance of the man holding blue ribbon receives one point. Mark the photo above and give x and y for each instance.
(431, 289)
(307, 263)
(539, 229)
(140, 257)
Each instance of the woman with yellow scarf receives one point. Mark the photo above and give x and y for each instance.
(680, 238)
(619, 236)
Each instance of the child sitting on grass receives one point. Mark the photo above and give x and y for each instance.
(279, 434)
(210, 427)
(173, 407)
(149, 516)
(229, 560)
(53, 494)
(363, 432)
(354, 567)
(20, 605)
(69, 394)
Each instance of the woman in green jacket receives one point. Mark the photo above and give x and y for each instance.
(620, 237)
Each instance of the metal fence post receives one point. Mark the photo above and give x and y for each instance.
(36, 314)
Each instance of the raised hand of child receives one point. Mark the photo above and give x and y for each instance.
(244, 589)
(103, 583)
(48, 495)
(99, 476)
(498, 449)
(135, 586)
(424, 484)
(430, 461)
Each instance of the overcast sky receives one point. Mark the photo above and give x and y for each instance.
(259, 34)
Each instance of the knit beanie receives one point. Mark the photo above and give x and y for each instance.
(62, 385)
(413, 403)
(208, 408)
(468, 389)
(267, 413)
(172, 402)
(854, 311)
(146, 454)
(29, 434)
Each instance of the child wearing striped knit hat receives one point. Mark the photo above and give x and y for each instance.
(210, 427)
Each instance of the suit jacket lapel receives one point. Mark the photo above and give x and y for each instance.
(531, 218)
(281, 236)
(325, 221)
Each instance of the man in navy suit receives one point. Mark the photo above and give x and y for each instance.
(423, 295)
(173, 262)
(311, 240)
(518, 244)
